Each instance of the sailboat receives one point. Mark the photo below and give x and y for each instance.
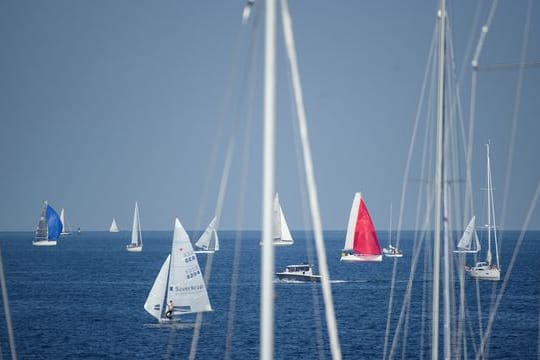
(49, 227)
(281, 234)
(114, 227)
(391, 251)
(65, 225)
(465, 244)
(179, 287)
(486, 270)
(361, 243)
(136, 235)
(208, 243)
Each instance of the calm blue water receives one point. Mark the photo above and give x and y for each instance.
(84, 299)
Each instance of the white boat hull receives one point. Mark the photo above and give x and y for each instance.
(361, 258)
(44, 243)
(280, 242)
(204, 251)
(485, 273)
(284, 276)
(133, 248)
(398, 255)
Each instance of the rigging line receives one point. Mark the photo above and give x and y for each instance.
(502, 290)
(510, 66)
(404, 184)
(305, 217)
(311, 186)
(7, 312)
(210, 258)
(241, 200)
(515, 116)
(468, 49)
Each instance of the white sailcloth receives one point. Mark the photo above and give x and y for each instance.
(280, 228)
(465, 243)
(351, 227)
(66, 229)
(186, 286)
(136, 238)
(114, 227)
(180, 280)
(155, 302)
(209, 239)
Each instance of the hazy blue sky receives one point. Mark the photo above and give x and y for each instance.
(103, 103)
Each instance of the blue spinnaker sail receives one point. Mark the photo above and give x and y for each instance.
(53, 223)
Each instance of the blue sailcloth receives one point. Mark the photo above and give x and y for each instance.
(54, 224)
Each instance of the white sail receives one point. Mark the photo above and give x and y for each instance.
(465, 243)
(114, 227)
(136, 238)
(209, 239)
(156, 298)
(186, 286)
(66, 229)
(349, 238)
(280, 228)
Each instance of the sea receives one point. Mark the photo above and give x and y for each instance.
(83, 299)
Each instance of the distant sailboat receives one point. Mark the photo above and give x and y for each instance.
(114, 228)
(136, 235)
(486, 270)
(65, 225)
(465, 244)
(208, 243)
(282, 235)
(391, 251)
(179, 287)
(49, 227)
(361, 243)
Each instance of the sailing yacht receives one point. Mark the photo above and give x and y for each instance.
(208, 243)
(114, 227)
(487, 270)
(361, 243)
(282, 236)
(136, 235)
(465, 244)
(179, 287)
(49, 227)
(66, 229)
(391, 251)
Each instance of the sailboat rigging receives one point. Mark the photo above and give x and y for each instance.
(391, 251)
(488, 270)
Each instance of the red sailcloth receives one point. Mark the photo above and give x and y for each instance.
(365, 237)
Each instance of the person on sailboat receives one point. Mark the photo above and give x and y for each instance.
(170, 308)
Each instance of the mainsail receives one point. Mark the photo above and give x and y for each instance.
(280, 228)
(136, 238)
(209, 239)
(465, 243)
(114, 226)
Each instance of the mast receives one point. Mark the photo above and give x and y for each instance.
(438, 185)
(390, 230)
(267, 263)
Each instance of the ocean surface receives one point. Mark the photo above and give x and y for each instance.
(84, 299)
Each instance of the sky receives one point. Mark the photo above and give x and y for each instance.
(104, 103)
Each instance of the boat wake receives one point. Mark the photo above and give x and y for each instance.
(172, 325)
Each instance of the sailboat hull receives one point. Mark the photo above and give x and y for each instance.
(134, 248)
(44, 243)
(361, 257)
(204, 251)
(485, 272)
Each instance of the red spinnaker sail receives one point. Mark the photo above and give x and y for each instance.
(365, 237)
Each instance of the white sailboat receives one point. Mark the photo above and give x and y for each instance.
(208, 242)
(136, 235)
(179, 287)
(114, 227)
(465, 244)
(281, 234)
(66, 229)
(487, 270)
(391, 251)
